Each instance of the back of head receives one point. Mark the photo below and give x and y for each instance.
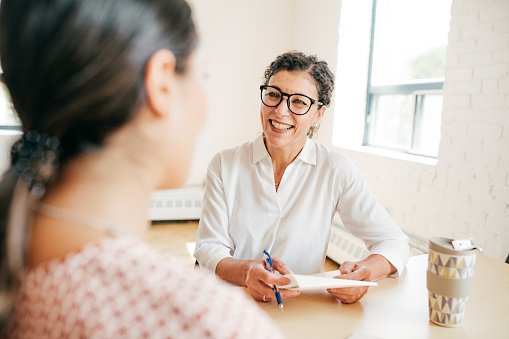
(75, 73)
(74, 68)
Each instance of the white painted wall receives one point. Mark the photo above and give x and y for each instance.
(465, 194)
(315, 31)
(238, 40)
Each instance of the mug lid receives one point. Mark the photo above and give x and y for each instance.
(445, 245)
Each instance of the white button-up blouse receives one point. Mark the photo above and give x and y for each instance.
(243, 214)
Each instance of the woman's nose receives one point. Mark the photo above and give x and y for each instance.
(282, 109)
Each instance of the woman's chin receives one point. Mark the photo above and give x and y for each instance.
(173, 180)
(279, 139)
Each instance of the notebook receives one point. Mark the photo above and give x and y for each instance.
(313, 282)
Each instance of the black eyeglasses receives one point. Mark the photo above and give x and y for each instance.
(298, 104)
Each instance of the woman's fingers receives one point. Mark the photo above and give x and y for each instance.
(257, 273)
(270, 295)
(280, 266)
(285, 294)
(262, 293)
(277, 280)
(256, 285)
(352, 271)
(273, 279)
(259, 283)
(360, 272)
(348, 295)
(347, 267)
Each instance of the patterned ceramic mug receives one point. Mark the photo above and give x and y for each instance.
(449, 279)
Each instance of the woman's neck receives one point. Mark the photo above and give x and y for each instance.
(106, 185)
(283, 156)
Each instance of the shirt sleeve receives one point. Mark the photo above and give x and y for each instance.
(213, 242)
(368, 220)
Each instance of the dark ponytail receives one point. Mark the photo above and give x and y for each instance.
(75, 72)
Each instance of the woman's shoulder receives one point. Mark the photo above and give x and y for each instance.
(126, 281)
(333, 158)
(99, 259)
(235, 151)
(108, 264)
(234, 155)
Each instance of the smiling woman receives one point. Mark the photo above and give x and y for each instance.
(281, 191)
(289, 125)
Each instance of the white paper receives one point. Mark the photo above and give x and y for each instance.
(328, 274)
(313, 283)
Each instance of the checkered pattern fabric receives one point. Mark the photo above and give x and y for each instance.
(121, 288)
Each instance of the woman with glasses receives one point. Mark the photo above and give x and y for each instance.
(281, 191)
(111, 102)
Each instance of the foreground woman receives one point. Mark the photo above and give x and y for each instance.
(110, 105)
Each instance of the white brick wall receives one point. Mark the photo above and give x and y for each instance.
(467, 193)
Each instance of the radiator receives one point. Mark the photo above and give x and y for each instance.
(176, 204)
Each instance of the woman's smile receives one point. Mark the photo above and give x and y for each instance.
(280, 127)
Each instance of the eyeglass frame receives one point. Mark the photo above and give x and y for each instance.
(288, 96)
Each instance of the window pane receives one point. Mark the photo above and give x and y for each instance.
(392, 121)
(7, 117)
(410, 37)
(427, 127)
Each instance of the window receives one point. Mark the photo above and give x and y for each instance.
(406, 74)
(8, 119)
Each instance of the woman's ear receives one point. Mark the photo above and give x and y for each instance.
(160, 79)
(320, 113)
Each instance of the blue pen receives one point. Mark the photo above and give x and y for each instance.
(268, 264)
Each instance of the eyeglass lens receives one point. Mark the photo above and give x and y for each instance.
(298, 104)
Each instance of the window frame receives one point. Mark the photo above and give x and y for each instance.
(418, 89)
(2, 126)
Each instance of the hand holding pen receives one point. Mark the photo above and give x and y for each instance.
(259, 280)
(268, 265)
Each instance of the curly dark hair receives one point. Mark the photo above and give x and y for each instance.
(298, 61)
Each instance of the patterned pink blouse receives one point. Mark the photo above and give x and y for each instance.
(121, 288)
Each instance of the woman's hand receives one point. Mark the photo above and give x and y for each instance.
(352, 271)
(373, 268)
(259, 281)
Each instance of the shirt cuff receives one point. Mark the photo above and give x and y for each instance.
(211, 257)
(395, 257)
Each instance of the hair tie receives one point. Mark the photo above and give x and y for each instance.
(35, 157)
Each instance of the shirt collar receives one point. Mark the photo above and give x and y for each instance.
(308, 153)
(259, 150)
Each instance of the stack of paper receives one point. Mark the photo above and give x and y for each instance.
(311, 283)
